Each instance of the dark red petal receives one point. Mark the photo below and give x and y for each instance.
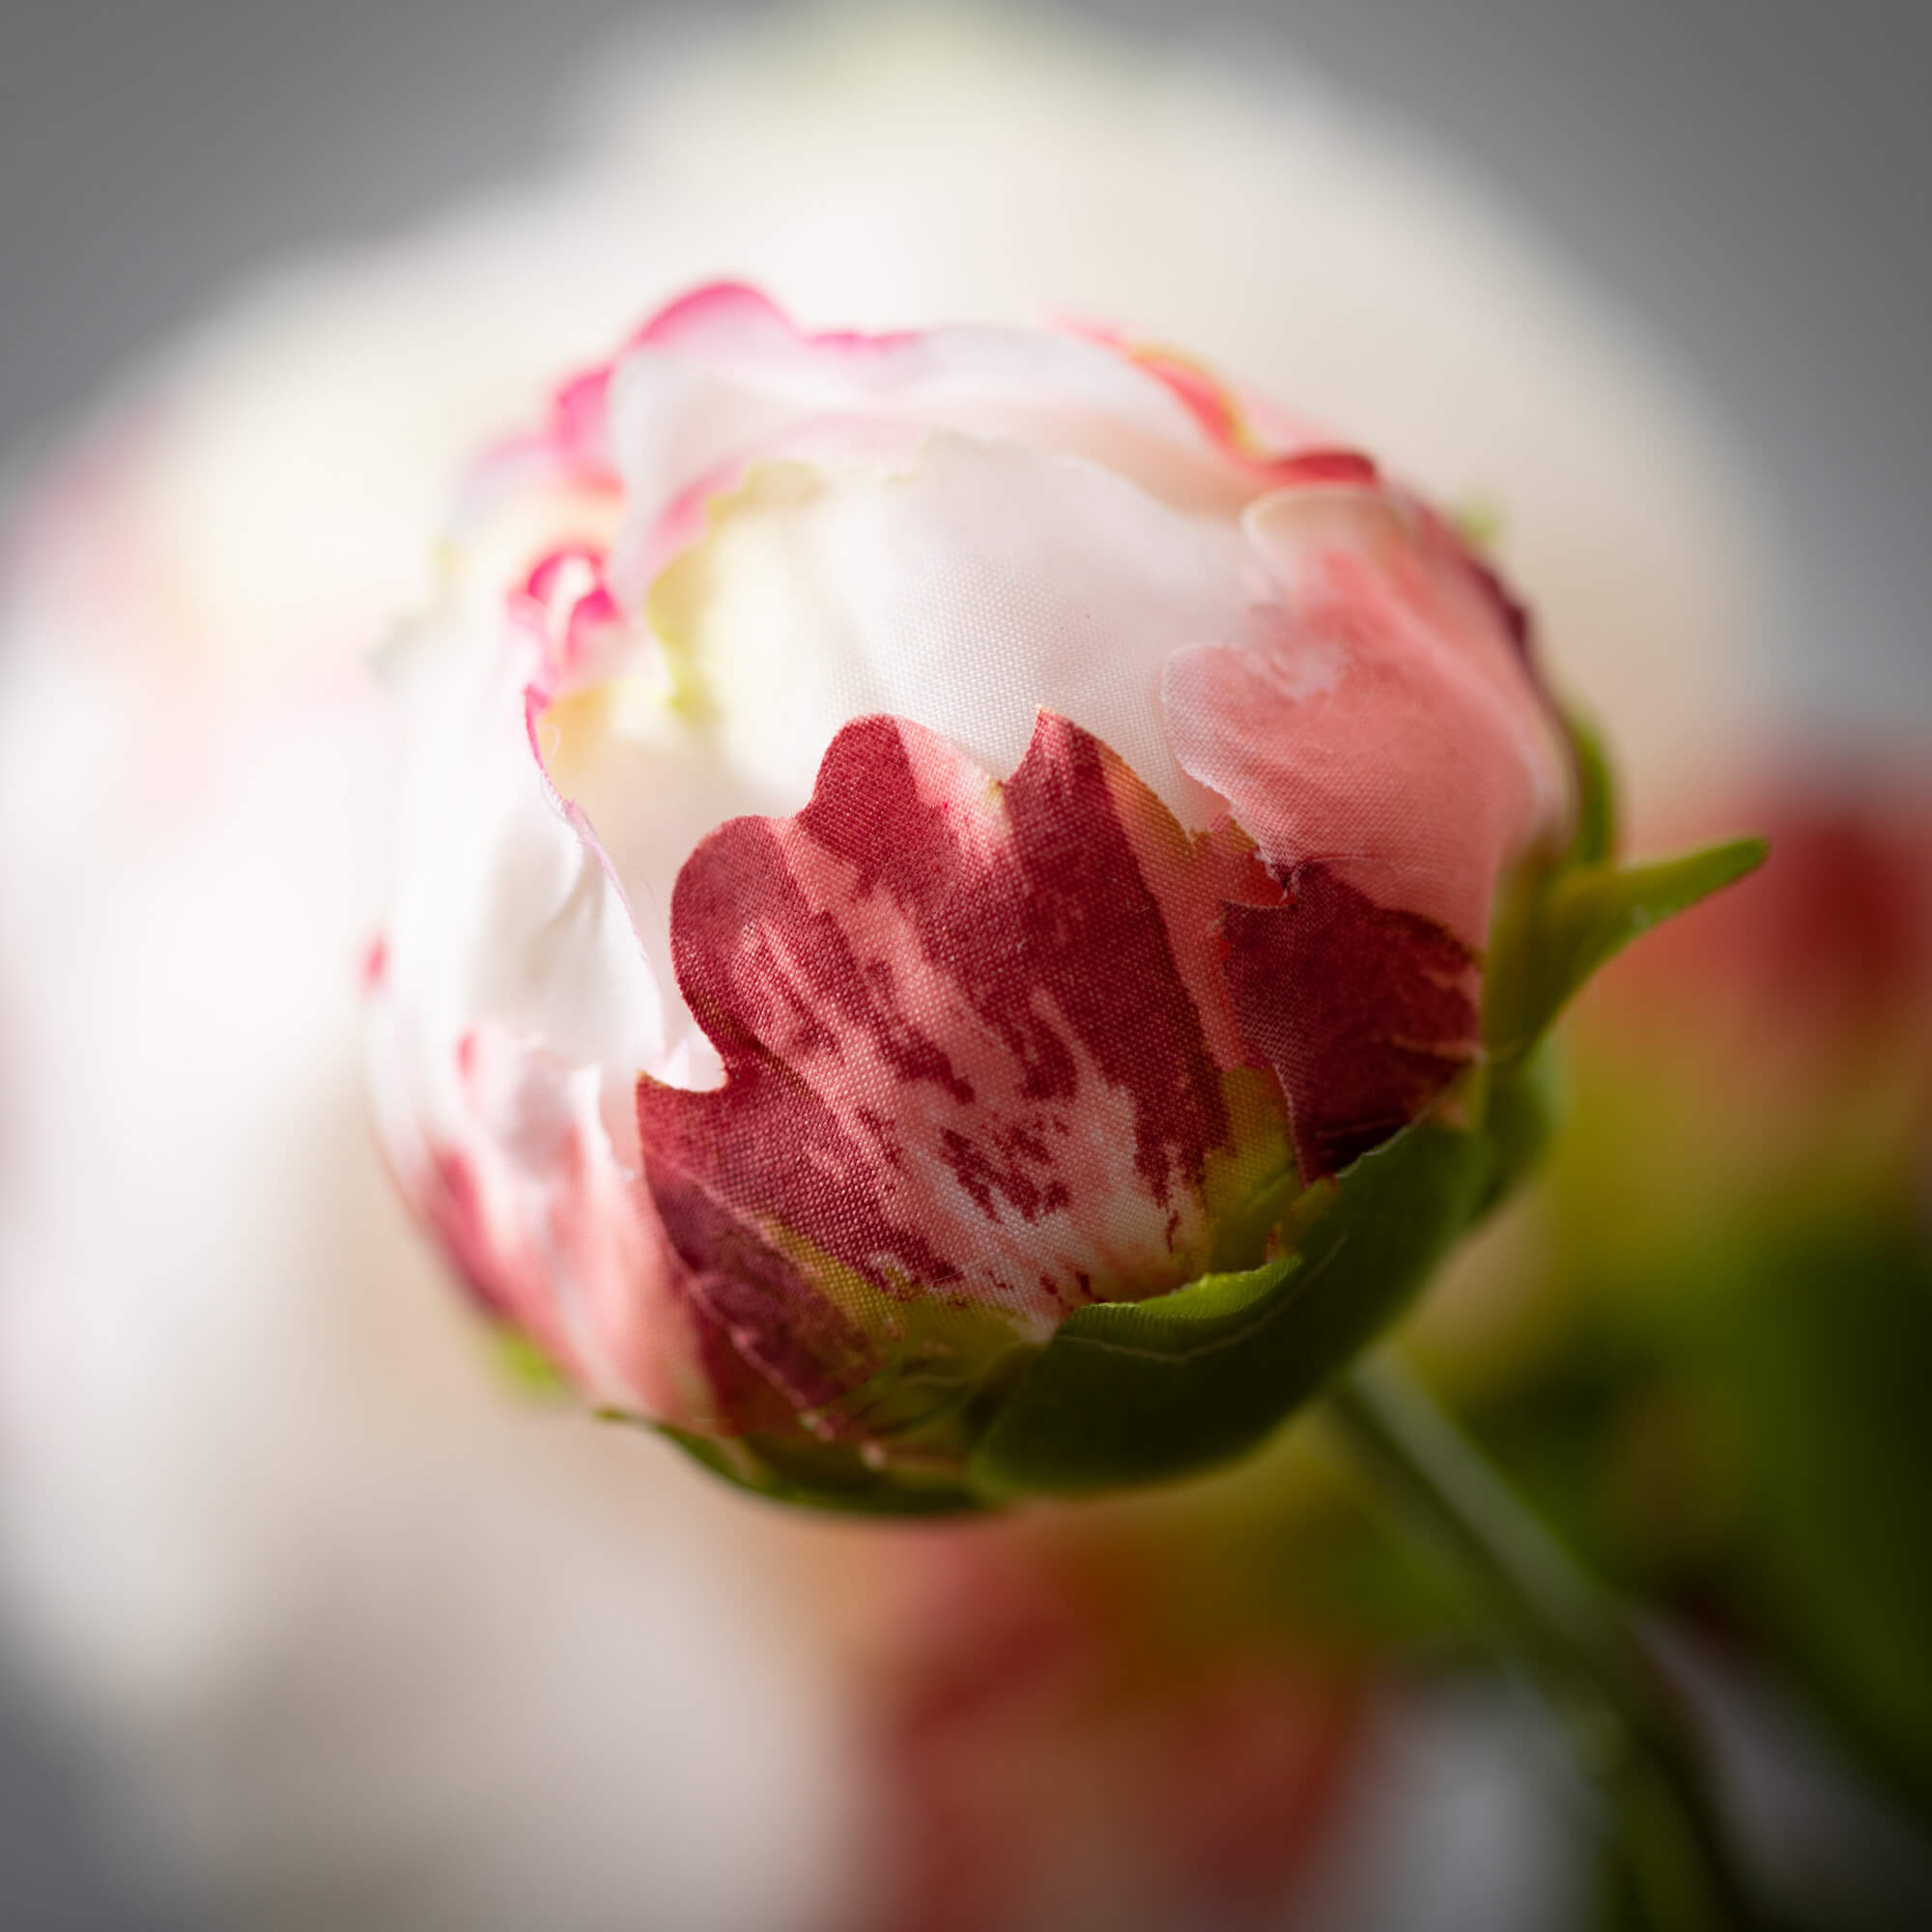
(963, 1063)
(1365, 1015)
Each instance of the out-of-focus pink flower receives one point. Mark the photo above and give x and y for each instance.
(1066, 1735)
(1787, 1025)
(1066, 813)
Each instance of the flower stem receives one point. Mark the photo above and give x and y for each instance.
(1626, 1722)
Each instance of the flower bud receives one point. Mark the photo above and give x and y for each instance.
(940, 950)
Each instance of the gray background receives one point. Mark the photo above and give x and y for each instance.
(1752, 178)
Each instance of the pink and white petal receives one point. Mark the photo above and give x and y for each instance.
(967, 1069)
(1384, 721)
(1381, 736)
(1274, 447)
(511, 1008)
(709, 381)
(520, 1181)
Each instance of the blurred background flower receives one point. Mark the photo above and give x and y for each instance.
(310, 1620)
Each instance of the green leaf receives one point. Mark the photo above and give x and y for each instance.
(1150, 1391)
(1560, 931)
(1823, 1359)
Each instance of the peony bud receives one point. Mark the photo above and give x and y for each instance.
(944, 892)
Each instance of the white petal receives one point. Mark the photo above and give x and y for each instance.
(964, 593)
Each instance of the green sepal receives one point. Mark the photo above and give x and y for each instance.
(1563, 916)
(1523, 1105)
(1141, 1392)
(1556, 932)
(1598, 828)
(825, 1475)
(523, 1363)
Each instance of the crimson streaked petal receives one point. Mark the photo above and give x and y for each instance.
(968, 1065)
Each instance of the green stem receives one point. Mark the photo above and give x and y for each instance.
(1625, 1720)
